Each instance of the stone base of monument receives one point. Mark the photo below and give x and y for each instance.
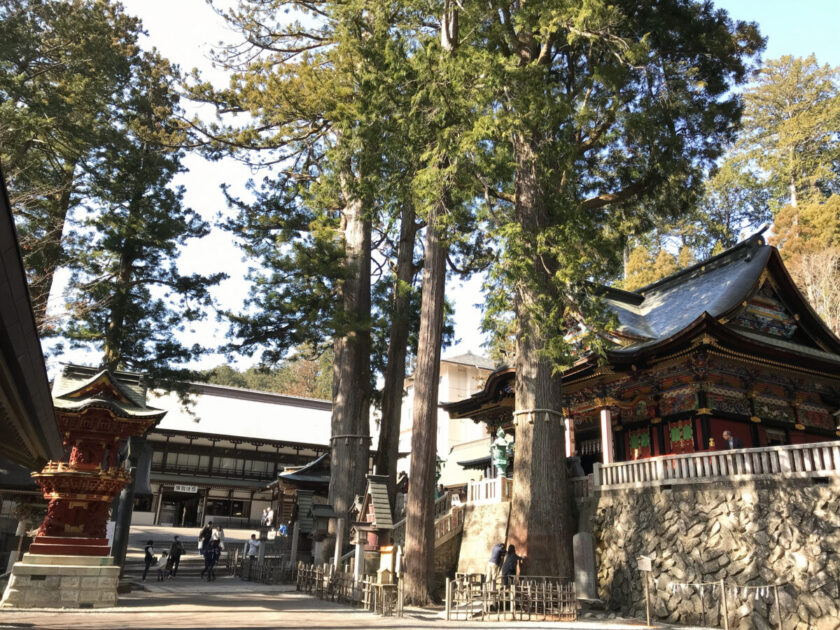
(59, 581)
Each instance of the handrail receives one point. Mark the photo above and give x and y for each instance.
(792, 461)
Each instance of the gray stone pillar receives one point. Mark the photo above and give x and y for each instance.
(359, 561)
(586, 579)
(339, 542)
(295, 538)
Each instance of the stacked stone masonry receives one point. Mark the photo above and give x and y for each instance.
(747, 534)
(52, 582)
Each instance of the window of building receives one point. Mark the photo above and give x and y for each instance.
(143, 503)
(157, 459)
(776, 437)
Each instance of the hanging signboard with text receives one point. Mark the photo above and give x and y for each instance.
(189, 489)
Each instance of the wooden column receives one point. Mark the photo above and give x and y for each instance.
(570, 436)
(606, 436)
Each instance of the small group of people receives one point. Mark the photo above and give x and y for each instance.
(168, 562)
(267, 518)
(504, 562)
(211, 543)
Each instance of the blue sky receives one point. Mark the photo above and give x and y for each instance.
(185, 30)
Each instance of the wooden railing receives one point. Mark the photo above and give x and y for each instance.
(581, 486)
(443, 505)
(800, 460)
(498, 490)
(449, 525)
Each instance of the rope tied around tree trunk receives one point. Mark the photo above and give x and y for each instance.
(530, 413)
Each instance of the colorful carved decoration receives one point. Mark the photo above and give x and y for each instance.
(728, 401)
(681, 436)
(814, 416)
(773, 409)
(675, 401)
(639, 443)
(95, 420)
(765, 314)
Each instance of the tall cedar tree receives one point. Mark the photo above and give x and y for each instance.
(791, 117)
(609, 110)
(446, 187)
(126, 295)
(63, 68)
(314, 90)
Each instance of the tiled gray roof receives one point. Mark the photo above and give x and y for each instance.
(669, 305)
(378, 489)
(471, 359)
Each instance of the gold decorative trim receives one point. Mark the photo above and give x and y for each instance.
(704, 411)
(755, 419)
(798, 426)
(655, 420)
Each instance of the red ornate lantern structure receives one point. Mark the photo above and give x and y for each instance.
(96, 415)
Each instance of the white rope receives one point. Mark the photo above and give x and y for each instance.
(533, 411)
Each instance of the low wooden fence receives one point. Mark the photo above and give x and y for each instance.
(269, 570)
(522, 598)
(323, 582)
(794, 461)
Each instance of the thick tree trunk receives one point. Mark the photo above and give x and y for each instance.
(420, 535)
(112, 350)
(540, 521)
(392, 392)
(43, 258)
(350, 426)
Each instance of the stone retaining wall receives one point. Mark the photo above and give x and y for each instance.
(755, 533)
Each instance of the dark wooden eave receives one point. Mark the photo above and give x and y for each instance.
(27, 420)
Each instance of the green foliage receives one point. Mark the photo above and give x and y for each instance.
(790, 128)
(303, 375)
(63, 65)
(612, 112)
(126, 295)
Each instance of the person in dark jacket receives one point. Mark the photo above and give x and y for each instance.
(175, 552)
(149, 558)
(510, 565)
(204, 537)
(212, 552)
(494, 565)
(730, 441)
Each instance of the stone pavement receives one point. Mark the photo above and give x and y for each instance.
(233, 604)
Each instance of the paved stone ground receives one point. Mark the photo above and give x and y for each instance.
(234, 604)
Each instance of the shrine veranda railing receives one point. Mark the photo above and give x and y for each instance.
(795, 461)
(523, 598)
(497, 490)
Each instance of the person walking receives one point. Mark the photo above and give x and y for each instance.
(511, 564)
(175, 552)
(149, 557)
(164, 566)
(212, 553)
(204, 536)
(252, 547)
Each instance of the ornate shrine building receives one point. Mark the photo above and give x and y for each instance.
(727, 344)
